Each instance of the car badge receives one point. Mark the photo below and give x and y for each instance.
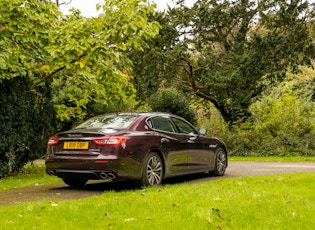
(75, 135)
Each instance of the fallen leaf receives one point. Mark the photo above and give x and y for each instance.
(129, 219)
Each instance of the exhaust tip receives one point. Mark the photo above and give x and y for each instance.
(107, 176)
(111, 176)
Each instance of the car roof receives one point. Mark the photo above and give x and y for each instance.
(147, 114)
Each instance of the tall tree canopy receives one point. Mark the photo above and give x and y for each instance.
(81, 59)
(227, 51)
(68, 61)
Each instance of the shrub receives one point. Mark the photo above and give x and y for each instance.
(171, 100)
(282, 125)
(21, 124)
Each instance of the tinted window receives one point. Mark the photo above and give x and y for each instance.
(162, 123)
(184, 127)
(107, 122)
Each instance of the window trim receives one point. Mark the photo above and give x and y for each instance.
(195, 133)
(175, 126)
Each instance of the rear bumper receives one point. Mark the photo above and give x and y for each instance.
(91, 170)
(86, 174)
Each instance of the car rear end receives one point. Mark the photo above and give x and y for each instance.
(90, 153)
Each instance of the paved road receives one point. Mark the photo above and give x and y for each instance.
(237, 169)
(62, 192)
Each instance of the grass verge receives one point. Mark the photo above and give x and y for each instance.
(259, 202)
(30, 175)
(273, 159)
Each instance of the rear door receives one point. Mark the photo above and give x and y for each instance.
(174, 145)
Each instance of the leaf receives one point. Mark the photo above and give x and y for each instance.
(45, 68)
(82, 64)
(129, 219)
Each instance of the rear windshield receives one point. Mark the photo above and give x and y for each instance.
(107, 122)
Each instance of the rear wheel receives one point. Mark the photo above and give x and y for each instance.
(152, 172)
(75, 182)
(220, 163)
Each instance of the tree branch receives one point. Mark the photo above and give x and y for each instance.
(36, 83)
(197, 90)
(64, 3)
(46, 78)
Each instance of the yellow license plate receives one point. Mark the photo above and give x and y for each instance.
(76, 145)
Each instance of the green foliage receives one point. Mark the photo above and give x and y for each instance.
(156, 64)
(83, 58)
(24, 30)
(210, 118)
(227, 51)
(282, 121)
(282, 124)
(172, 101)
(87, 62)
(69, 61)
(22, 126)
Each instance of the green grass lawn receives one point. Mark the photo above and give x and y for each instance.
(284, 201)
(258, 202)
(273, 159)
(35, 174)
(31, 175)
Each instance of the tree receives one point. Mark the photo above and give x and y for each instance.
(155, 66)
(282, 121)
(23, 125)
(81, 59)
(68, 61)
(228, 51)
(24, 31)
(86, 61)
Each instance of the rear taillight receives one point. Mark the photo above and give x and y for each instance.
(110, 141)
(53, 141)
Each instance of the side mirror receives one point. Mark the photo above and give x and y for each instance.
(202, 131)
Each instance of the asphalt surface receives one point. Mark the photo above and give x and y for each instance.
(61, 191)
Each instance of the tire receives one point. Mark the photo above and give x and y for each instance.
(220, 163)
(75, 182)
(152, 172)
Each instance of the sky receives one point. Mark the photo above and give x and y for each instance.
(88, 7)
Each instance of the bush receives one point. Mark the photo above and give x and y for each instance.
(281, 125)
(171, 100)
(22, 129)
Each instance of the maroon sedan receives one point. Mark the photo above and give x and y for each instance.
(146, 147)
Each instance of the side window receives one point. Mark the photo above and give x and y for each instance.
(161, 123)
(184, 127)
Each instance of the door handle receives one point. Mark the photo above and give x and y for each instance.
(191, 139)
(165, 140)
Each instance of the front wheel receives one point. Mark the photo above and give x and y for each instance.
(74, 182)
(220, 163)
(152, 172)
